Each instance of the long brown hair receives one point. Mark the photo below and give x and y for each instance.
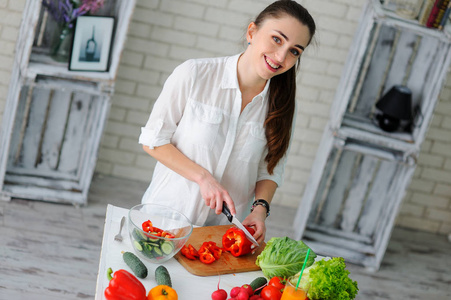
(282, 88)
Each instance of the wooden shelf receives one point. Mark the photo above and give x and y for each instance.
(44, 65)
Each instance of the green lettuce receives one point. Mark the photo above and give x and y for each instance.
(284, 257)
(327, 280)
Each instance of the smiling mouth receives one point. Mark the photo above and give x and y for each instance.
(272, 65)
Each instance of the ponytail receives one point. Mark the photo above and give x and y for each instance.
(279, 120)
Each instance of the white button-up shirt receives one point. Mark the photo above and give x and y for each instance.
(198, 111)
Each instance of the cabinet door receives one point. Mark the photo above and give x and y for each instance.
(356, 201)
(55, 133)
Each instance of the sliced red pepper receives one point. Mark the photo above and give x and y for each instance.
(193, 251)
(209, 252)
(125, 285)
(185, 252)
(147, 226)
(236, 242)
(205, 255)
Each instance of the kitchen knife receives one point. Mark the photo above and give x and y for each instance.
(232, 219)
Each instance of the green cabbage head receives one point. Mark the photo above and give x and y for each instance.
(284, 257)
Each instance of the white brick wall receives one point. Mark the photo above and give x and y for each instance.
(164, 33)
(10, 18)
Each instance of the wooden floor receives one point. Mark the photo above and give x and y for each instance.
(51, 251)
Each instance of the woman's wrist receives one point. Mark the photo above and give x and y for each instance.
(259, 211)
(261, 204)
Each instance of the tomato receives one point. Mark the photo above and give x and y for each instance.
(278, 282)
(271, 293)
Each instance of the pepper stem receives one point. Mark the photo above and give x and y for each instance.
(108, 273)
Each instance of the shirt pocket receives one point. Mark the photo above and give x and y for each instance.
(204, 122)
(254, 146)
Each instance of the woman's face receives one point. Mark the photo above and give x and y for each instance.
(276, 45)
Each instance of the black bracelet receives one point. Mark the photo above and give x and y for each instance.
(263, 203)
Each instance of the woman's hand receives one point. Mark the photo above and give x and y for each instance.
(256, 219)
(214, 194)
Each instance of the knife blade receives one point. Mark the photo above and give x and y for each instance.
(232, 219)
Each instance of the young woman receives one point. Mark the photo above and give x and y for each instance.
(221, 127)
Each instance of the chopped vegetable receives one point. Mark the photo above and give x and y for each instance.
(209, 252)
(236, 242)
(148, 227)
(189, 252)
(150, 245)
(206, 256)
(124, 285)
(328, 280)
(283, 257)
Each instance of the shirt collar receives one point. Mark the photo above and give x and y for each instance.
(230, 79)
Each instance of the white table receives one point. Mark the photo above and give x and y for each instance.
(187, 285)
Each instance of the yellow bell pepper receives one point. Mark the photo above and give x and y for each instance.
(162, 292)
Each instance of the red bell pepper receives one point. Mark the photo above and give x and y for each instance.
(147, 226)
(206, 256)
(236, 242)
(189, 252)
(209, 252)
(193, 251)
(124, 286)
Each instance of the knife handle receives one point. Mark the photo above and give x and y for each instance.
(226, 211)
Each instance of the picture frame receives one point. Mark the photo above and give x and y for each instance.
(91, 46)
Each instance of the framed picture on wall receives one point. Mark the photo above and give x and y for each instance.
(92, 44)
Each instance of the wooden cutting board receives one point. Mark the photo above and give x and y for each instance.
(226, 264)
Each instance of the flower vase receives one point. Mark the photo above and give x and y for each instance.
(61, 46)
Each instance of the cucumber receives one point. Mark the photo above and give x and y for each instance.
(167, 247)
(135, 264)
(147, 250)
(136, 234)
(154, 240)
(138, 246)
(258, 283)
(162, 276)
(157, 251)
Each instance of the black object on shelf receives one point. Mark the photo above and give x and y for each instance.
(395, 105)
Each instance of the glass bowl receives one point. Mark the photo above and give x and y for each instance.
(151, 246)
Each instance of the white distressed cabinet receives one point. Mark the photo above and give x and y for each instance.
(361, 172)
(54, 118)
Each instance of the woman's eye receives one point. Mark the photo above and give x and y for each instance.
(276, 39)
(295, 52)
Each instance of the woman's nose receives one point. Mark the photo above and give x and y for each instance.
(281, 54)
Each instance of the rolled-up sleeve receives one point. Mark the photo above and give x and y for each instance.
(277, 175)
(169, 107)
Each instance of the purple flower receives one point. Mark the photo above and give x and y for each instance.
(66, 11)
